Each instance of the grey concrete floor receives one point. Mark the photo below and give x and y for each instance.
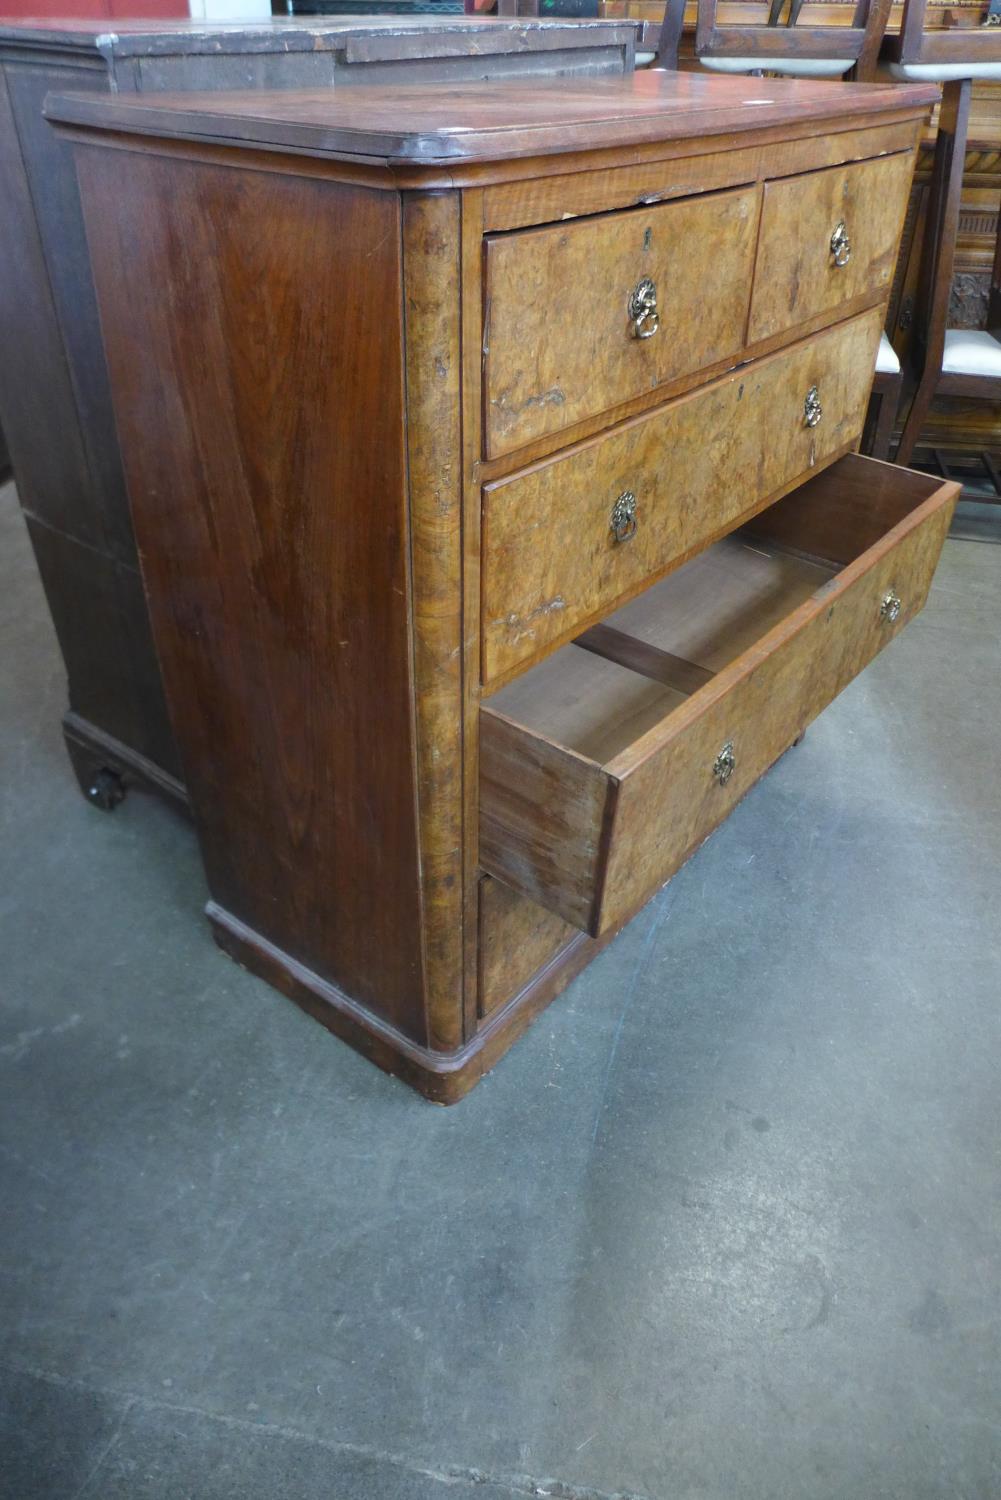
(725, 1223)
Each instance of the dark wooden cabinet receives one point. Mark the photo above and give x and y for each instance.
(55, 407)
(497, 501)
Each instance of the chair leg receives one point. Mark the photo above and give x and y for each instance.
(888, 400)
(920, 407)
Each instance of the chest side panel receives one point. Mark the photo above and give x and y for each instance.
(252, 324)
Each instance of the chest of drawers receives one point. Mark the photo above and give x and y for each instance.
(491, 456)
(55, 406)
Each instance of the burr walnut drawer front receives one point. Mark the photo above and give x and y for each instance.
(566, 540)
(604, 767)
(582, 316)
(827, 238)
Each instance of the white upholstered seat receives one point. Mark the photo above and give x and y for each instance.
(887, 362)
(943, 72)
(971, 351)
(792, 67)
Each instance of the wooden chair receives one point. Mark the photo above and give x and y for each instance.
(947, 361)
(884, 404)
(794, 50)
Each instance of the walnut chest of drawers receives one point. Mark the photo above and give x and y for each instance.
(491, 460)
(55, 406)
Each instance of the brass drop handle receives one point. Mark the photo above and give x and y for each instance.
(724, 764)
(841, 245)
(812, 409)
(889, 609)
(623, 522)
(643, 314)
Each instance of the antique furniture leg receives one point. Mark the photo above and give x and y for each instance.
(105, 769)
(885, 397)
(884, 401)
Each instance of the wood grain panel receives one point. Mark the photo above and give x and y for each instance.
(468, 125)
(558, 339)
(542, 811)
(540, 200)
(434, 452)
(471, 319)
(796, 276)
(550, 560)
(292, 291)
(240, 313)
(517, 939)
(591, 834)
(666, 800)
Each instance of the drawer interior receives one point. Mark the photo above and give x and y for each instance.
(603, 767)
(617, 680)
(599, 694)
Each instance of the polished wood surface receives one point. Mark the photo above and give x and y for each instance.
(765, 698)
(517, 938)
(413, 127)
(560, 344)
(431, 228)
(315, 577)
(697, 467)
(798, 219)
(954, 427)
(291, 630)
(598, 781)
(694, 167)
(54, 397)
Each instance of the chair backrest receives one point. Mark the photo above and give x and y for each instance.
(945, 52)
(779, 48)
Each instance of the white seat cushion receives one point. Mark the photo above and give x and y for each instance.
(971, 351)
(943, 72)
(887, 362)
(792, 67)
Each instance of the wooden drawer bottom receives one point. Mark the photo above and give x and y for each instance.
(606, 765)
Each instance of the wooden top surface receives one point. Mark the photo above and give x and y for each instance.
(423, 35)
(433, 124)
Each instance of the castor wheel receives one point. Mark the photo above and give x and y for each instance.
(106, 789)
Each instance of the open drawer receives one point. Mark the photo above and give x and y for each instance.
(605, 766)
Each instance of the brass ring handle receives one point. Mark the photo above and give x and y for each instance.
(889, 609)
(724, 764)
(812, 409)
(841, 245)
(623, 522)
(643, 314)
